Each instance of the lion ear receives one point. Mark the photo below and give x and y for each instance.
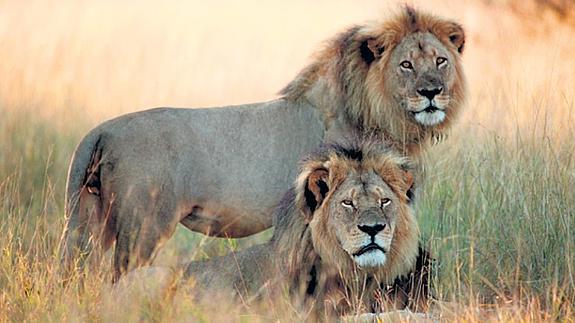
(316, 188)
(457, 37)
(370, 50)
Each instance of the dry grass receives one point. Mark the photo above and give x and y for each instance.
(497, 207)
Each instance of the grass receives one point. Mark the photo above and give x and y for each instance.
(502, 225)
(496, 207)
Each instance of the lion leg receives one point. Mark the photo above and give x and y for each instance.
(77, 238)
(88, 227)
(87, 236)
(141, 233)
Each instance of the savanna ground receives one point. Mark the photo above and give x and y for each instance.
(497, 207)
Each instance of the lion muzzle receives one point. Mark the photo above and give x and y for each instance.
(369, 248)
(370, 255)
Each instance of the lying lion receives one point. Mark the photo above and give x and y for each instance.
(341, 235)
(220, 171)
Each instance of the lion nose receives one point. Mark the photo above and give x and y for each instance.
(372, 230)
(430, 93)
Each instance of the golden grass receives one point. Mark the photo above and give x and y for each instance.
(497, 206)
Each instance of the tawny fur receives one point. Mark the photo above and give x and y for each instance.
(220, 171)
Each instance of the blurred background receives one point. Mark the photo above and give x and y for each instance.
(497, 207)
(80, 61)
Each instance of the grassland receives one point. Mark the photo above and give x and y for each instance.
(497, 207)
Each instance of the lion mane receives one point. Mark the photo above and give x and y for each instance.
(307, 254)
(353, 67)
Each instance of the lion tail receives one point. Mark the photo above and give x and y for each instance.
(83, 205)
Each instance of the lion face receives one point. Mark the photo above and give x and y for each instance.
(423, 73)
(414, 63)
(359, 209)
(362, 215)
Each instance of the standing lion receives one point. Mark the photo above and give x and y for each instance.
(220, 171)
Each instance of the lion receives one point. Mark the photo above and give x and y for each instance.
(220, 171)
(345, 230)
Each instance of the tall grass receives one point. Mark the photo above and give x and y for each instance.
(499, 215)
(496, 207)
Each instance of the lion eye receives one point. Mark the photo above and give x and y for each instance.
(406, 65)
(384, 202)
(347, 203)
(440, 60)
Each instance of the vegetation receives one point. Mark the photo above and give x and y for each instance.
(497, 206)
